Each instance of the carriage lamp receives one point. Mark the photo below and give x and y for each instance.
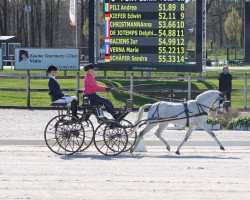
(86, 101)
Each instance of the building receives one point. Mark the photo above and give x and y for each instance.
(8, 45)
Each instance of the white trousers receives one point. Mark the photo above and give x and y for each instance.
(66, 99)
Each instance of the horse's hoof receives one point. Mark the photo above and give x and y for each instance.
(222, 148)
(168, 148)
(177, 152)
(131, 150)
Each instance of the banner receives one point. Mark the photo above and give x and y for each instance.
(41, 59)
(1, 60)
(72, 12)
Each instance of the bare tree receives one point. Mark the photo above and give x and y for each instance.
(3, 17)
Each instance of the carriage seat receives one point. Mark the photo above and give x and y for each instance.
(89, 107)
(60, 104)
(54, 104)
(86, 101)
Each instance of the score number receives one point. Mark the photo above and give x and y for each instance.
(171, 59)
(171, 50)
(170, 7)
(171, 41)
(171, 24)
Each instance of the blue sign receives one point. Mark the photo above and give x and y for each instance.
(42, 58)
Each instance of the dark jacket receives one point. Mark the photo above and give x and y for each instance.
(225, 82)
(55, 90)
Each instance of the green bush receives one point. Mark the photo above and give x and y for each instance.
(213, 120)
(243, 122)
(225, 118)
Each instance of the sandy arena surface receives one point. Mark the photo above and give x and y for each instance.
(28, 170)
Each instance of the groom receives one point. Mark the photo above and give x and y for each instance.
(57, 95)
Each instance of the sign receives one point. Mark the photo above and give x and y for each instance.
(27, 8)
(149, 35)
(41, 59)
(72, 12)
(1, 61)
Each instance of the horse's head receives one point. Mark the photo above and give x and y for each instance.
(211, 99)
(218, 104)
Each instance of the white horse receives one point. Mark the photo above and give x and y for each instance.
(194, 114)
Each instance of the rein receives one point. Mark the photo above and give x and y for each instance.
(126, 90)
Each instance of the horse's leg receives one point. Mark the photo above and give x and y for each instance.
(142, 133)
(158, 132)
(190, 130)
(210, 132)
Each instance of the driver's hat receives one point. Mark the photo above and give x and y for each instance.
(89, 66)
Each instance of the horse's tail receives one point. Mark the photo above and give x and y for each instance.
(139, 116)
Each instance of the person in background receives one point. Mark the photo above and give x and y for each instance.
(57, 94)
(90, 89)
(225, 82)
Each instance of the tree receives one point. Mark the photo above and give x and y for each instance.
(3, 17)
(233, 27)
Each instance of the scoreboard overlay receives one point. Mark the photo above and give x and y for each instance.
(146, 35)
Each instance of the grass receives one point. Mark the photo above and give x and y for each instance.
(140, 86)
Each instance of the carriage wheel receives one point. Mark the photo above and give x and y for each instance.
(89, 134)
(110, 139)
(131, 138)
(64, 135)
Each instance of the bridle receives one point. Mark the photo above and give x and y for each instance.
(220, 99)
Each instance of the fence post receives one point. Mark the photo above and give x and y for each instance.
(245, 90)
(131, 86)
(189, 86)
(148, 74)
(28, 88)
(105, 74)
(77, 84)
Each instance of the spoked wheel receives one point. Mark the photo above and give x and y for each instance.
(89, 134)
(64, 135)
(131, 138)
(110, 138)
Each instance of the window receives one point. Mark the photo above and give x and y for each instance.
(12, 47)
(3, 45)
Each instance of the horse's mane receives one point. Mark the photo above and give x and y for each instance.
(201, 97)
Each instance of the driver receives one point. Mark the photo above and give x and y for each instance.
(90, 89)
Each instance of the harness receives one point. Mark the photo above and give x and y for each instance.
(186, 112)
(156, 118)
(156, 111)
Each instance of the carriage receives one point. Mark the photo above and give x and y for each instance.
(65, 134)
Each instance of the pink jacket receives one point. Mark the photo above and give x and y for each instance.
(91, 86)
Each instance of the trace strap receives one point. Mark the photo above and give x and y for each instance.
(152, 121)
